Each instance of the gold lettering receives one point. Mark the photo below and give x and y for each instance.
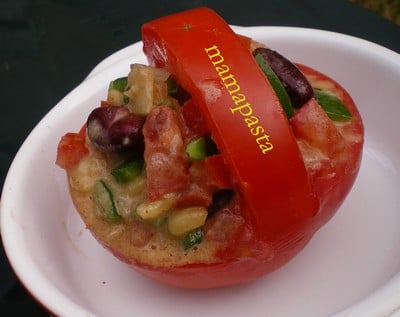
(262, 138)
(215, 54)
(221, 70)
(264, 144)
(242, 106)
(235, 86)
(257, 130)
(266, 147)
(238, 98)
(251, 121)
(245, 110)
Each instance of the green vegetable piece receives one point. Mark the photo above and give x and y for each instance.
(119, 84)
(196, 149)
(104, 200)
(128, 170)
(192, 238)
(333, 106)
(276, 85)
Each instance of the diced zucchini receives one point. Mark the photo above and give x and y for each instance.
(119, 84)
(196, 149)
(117, 98)
(104, 200)
(192, 238)
(128, 170)
(116, 92)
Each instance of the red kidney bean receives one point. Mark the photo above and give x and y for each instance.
(294, 81)
(126, 133)
(115, 129)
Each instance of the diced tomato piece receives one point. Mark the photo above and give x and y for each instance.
(71, 149)
(224, 226)
(105, 103)
(194, 120)
(206, 177)
(166, 162)
(311, 123)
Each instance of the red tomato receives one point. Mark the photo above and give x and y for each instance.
(193, 119)
(71, 149)
(287, 194)
(240, 107)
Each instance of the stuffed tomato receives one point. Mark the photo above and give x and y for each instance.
(216, 163)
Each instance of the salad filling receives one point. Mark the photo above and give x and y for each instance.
(155, 174)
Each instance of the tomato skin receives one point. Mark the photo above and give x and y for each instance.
(208, 276)
(72, 149)
(264, 259)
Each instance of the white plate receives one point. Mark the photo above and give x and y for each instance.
(350, 268)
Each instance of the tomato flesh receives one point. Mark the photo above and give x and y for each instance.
(332, 173)
(166, 165)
